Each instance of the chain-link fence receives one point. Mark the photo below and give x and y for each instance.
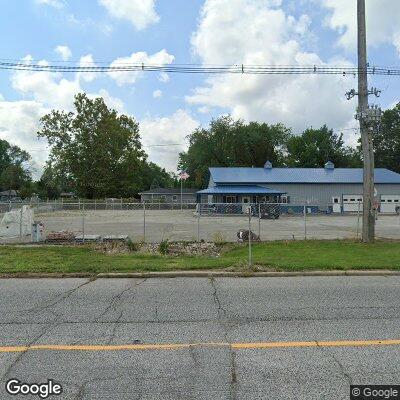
(155, 222)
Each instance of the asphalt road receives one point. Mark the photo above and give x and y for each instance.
(225, 338)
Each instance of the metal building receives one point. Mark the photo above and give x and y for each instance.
(329, 188)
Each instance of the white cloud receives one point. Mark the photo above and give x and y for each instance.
(19, 123)
(157, 94)
(141, 13)
(256, 32)
(163, 77)
(122, 78)
(64, 52)
(51, 3)
(45, 87)
(382, 21)
(167, 130)
(87, 61)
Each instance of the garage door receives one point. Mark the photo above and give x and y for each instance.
(352, 202)
(390, 203)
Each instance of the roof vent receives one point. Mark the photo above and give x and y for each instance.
(330, 166)
(268, 165)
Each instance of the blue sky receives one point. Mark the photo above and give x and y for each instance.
(190, 31)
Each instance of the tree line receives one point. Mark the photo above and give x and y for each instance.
(96, 152)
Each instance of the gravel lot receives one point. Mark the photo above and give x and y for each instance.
(183, 225)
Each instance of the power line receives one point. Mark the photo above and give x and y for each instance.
(201, 69)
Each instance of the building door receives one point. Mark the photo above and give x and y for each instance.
(245, 203)
(337, 204)
(352, 202)
(390, 204)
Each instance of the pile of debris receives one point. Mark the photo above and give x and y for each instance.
(113, 247)
(60, 237)
(183, 249)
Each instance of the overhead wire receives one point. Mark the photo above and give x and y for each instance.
(198, 69)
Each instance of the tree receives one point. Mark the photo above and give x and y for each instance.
(15, 168)
(231, 143)
(154, 176)
(387, 140)
(95, 149)
(314, 147)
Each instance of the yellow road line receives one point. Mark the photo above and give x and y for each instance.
(179, 346)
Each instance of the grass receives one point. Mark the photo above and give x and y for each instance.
(286, 256)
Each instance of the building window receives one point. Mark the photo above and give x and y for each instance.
(285, 199)
(163, 197)
(229, 199)
(174, 198)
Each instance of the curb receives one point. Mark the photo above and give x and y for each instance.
(201, 274)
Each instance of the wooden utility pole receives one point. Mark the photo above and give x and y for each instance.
(366, 133)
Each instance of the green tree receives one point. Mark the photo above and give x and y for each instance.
(95, 149)
(232, 143)
(15, 168)
(314, 147)
(387, 140)
(154, 176)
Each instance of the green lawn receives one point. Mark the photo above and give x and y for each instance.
(288, 256)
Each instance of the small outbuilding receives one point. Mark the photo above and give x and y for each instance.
(169, 195)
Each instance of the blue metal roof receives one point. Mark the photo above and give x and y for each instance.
(298, 175)
(239, 189)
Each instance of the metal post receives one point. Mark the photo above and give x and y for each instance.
(20, 222)
(144, 222)
(259, 221)
(366, 135)
(83, 223)
(181, 193)
(305, 222)
(250, 255)
(198, 222)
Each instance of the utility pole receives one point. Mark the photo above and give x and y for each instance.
(369, 118)
(366, 134)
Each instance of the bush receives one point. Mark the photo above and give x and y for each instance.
(163, 247)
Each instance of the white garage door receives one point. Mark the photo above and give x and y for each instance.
(390, 203)
(352, 202)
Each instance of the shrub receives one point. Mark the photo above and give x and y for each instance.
(163, 247)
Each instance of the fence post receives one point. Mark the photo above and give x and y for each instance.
(20, 222)
(305, 222)
(259, 221)
(144, 222)
(9, 205)
(250, 255)
(358, 221)
(198, 221)
(83, 223)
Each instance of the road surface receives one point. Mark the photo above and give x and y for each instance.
(199, 338)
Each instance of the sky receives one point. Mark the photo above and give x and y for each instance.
(170, 107)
